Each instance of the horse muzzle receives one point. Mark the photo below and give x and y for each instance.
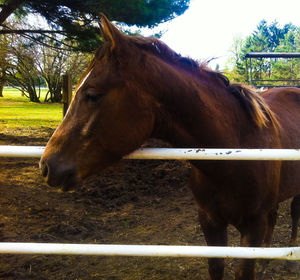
(59, 173)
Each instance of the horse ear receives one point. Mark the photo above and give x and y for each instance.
(110, 32)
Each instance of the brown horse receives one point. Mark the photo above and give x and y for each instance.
(137, 88)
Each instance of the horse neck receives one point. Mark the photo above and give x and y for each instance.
(194, 112)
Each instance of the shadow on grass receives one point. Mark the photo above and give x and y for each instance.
(19, 139)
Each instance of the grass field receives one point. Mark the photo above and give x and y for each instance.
(17, 111)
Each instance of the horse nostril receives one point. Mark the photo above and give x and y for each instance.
(44, 169)
(58, 173)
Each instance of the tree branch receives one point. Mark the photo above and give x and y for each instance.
(24, 31)
(8, 9)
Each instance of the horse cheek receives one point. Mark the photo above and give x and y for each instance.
(129, 130)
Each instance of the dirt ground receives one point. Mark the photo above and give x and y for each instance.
(136, 202)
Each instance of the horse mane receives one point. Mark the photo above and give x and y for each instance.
(252, 103)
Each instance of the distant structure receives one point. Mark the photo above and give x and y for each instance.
(261, 82)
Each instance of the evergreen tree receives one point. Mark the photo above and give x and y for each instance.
(269, 38)
(74, 17)
(288, 68)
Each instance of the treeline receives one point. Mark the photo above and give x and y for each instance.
(28, 66)
(28, 63)
(267, 38)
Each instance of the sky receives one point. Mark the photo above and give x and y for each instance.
(208, 28)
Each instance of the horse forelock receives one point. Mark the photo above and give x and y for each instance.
(84, 76)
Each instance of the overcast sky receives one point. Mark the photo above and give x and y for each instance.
(208, 27)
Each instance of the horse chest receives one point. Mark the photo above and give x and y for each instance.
(233, 193)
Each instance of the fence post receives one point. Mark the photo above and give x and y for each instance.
(66, 92)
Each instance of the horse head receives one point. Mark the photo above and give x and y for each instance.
(110, 115)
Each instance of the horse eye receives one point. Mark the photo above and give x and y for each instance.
(91, 95)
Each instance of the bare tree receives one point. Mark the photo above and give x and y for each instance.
(22, 72)
(30, 65)
(53, 63)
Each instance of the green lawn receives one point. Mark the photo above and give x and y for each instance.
(18, 111)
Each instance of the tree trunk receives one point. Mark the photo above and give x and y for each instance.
(2, 82)
(32, 95)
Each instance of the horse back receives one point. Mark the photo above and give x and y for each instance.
(285, 103)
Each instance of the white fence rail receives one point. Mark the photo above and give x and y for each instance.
(170, 153)
(291, 253)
